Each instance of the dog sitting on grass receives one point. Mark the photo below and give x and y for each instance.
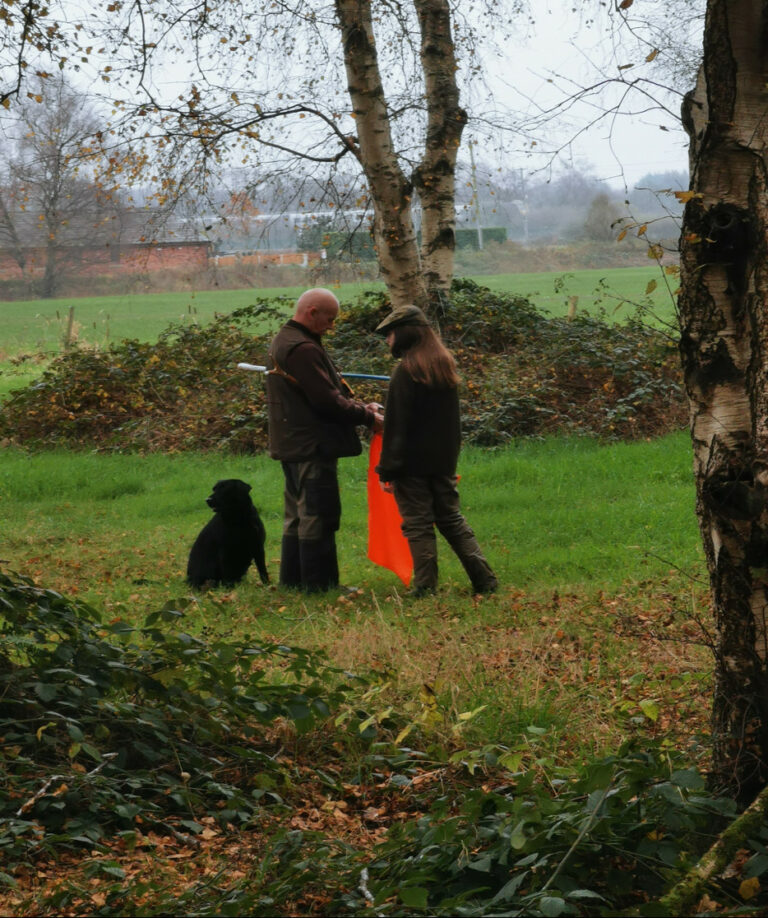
(223, 551)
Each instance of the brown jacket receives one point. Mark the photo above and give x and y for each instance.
(311, 414)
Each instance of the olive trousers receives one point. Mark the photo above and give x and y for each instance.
(312, 515)
(429, 503)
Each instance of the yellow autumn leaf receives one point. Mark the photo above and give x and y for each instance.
(652, 55)
(403, 733)
(685, 196)
(469, 715)
(749, 888)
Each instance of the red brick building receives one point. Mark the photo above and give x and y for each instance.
(109, 259)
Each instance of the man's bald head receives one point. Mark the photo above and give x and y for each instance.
(317, 309)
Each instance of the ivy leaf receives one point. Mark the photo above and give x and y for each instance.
(46, 692)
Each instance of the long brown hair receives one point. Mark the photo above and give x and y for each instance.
(425, 357)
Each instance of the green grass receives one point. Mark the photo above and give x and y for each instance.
(596, 548)
(39, 325)
(589, 542)
(550, 515)
(617, 291)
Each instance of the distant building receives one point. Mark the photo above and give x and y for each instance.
(128, 242)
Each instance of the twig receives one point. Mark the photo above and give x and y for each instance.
(43, 790)
(185, 839)
(363, 887)
(584, 830)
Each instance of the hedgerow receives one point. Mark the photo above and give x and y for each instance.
(524, 374)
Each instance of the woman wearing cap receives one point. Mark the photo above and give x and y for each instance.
(422, 439)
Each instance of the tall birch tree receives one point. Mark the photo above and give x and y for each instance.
(724, 346)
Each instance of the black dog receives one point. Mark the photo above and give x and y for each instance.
(234, 537)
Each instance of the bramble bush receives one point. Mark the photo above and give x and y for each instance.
(104, 725)
(524, 374)
(108, 731)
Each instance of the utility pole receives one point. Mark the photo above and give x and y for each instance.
(478, 221)
(524, 208)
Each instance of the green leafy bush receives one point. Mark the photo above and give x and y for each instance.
(524, 374)
(103, 725)
(612, 835)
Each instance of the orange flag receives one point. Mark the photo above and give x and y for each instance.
(387, 546)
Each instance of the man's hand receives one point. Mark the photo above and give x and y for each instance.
(378, 416)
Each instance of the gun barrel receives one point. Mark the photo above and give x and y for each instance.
(257, 368)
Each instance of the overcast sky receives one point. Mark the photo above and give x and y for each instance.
(620, 149)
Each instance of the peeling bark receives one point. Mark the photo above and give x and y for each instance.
(434, 179)
(724, 351)
(391, 190)
(412, 275)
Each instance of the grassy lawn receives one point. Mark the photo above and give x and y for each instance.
(40, 325)
(616, 291)
(32, 331)
(596, 548)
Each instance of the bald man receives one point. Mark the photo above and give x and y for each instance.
(312, 421)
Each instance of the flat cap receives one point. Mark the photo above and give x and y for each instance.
(402, 315)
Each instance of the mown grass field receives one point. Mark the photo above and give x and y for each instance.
(40, 325)
(595, 546)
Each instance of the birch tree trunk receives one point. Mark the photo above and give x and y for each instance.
(724, 349)
(411, 276)
(434, 178)
(390, 188)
